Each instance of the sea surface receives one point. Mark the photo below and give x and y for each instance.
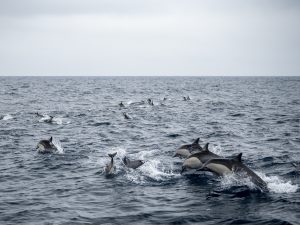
(257, 116)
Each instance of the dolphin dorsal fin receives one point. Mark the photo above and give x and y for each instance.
(196, 141)
(238, 158)
(50, 139)
(125, 160)
(205, 148)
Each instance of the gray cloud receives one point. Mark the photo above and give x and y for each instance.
(134, 37)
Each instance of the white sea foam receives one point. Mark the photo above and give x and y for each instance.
(7, 117)
(55, 120)
(152, 169)
(58, 145)
(274, 183)
(278, 185)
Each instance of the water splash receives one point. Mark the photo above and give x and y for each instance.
(153, 170)
(54, 120)
(278, 185)
(58, 145)
(274, 183)
(7, 117)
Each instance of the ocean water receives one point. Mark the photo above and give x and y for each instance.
(258, 116)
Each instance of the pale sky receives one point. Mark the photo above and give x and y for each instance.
(150, 37)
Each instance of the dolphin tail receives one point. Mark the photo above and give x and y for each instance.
(112, 155)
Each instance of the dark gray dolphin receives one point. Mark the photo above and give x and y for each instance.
(150, 101)
(132, 163)
(222, 167)
(126, 116)
(110, 168)
(46, 146)
(121, 104)
(38, 114)
(185, 151)
(196, 160)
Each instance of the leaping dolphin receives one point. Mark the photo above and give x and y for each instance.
(222, 167)
(110, 168)
(185, 151)
(132, 163)
(196, 160)
(46, 146)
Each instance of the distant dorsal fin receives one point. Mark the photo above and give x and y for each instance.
(238, 158)
(205, 148)
(196, 141)
(50, 139)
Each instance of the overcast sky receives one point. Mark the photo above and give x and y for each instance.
(153, 37)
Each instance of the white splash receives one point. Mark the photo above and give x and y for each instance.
(153, 168)
(274, 183)
(231, 180)
(47, 118)
(277, 185)
(7, 117)
(58, 145)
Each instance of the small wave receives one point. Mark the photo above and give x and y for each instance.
(258, 119)
(173, 135)
(101, 124)
(272, 139)
(237, 114)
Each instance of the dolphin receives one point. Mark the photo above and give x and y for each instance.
(121, 104)
(50, 120)
(185, 150)
(46, 146)
(110, 168)
(196, 160)
(132, 163)
(126, 116)
(222, 167)
(38, 114)
(150, 101)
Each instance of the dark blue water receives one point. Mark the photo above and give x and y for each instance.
(256, 116)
